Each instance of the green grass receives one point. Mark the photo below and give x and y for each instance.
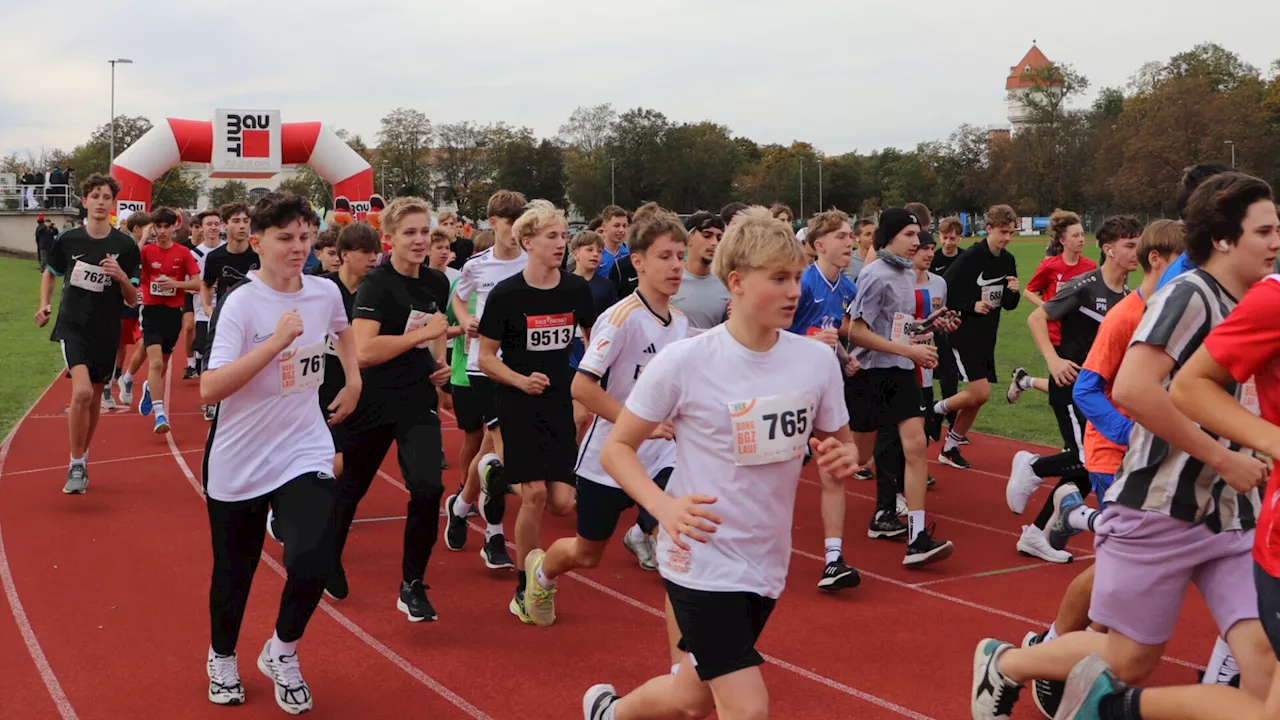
(1030, 419)
(28, 360)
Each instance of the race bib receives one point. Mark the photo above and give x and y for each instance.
(901, 332)
(992, 295)
(301, 369)
(157, 291)
(1249, 397)
(89, 277)
(329, 347)
(549, 332)
(771, 429)
(417, 319)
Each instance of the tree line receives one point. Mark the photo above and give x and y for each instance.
(1121, 154)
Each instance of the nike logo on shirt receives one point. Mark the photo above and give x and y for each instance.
(260, 338)
(984, 281)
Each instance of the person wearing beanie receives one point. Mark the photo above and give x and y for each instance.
(886, 391)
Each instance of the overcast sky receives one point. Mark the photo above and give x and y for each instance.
(844, 75)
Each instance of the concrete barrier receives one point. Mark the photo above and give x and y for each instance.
(18, 230)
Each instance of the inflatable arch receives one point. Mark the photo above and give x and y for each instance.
(175, 141)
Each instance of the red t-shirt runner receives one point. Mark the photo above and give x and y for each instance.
(1052, 275)
(175, 262)
(1247, 344)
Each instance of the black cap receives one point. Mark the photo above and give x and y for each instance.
(892, 222)
(926, 238)
(703, 220)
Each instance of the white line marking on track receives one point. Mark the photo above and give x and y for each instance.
(457, 700)
(15, 605)
(104, 462)
(645, 607)
(380, 519)
(998, 571)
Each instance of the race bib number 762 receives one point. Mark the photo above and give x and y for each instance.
(771, 429)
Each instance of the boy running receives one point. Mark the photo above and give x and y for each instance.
(625, 339)
(743, 421)
(531, 318)
(268, 446)
(209, 229)
(99, 267)
(168, 272)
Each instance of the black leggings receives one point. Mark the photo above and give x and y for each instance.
(305, 507)
(1067, 465)
(418, 448)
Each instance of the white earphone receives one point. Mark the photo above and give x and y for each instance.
(1222, 245)
(1111, 253)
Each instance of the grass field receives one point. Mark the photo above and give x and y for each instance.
(27, 359)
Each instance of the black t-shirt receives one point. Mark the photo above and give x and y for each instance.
(223, 269)
(1080, 306)
(393, 299)
(978, 275)
(941, 262)
(91, 305)
(335, 377)
(535, 327)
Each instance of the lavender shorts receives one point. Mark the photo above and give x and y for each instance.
(1146, 560)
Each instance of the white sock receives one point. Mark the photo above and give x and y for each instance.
(280, 648)
(127, 377)
(1082, 518)
(158, 405)
(191, 362)
(1214, 671)
(80, 461)
(1026, 382)
(543, 580)
(461, 508)
(832, 546)
(635, 534)
(1053, 633)
(951, 442)
(492, 530)
(940, 407)
(915, 523)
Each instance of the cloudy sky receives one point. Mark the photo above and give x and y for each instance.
(844, 75)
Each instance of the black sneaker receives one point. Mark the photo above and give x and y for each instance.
(933, 425)
(455, 531)
(838, 576)
(336, 586)
(886, 525)
(864, 474)
(493, 493)
(414, 603)
(1047, 694)
(189, 373)
(953, 458)
(495, 554)
(924, 550)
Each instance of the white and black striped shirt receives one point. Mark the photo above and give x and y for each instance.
(1156, 476)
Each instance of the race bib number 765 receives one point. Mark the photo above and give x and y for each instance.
(771, 429)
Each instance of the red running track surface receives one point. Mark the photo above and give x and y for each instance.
(104, 610)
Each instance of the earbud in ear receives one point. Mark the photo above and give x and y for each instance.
(1222, 245)
(1111, 253)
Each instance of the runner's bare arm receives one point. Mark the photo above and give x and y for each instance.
(1200, 391)
(374, 349)
(206, 298)
(586, 390)
(492, 366)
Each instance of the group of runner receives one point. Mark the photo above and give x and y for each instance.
(587, 391)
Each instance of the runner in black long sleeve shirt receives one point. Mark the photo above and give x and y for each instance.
(982, 282)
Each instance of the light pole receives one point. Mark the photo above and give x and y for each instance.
(1232, 143)
(123, 61)
(801, 187)
(612, 197)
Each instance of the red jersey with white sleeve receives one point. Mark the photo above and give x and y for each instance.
(742, 424)
(1053, 274)
(1247, 344)
(174, 262)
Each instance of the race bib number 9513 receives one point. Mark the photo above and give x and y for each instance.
(302, 369)
(549, 332)
(771, 429)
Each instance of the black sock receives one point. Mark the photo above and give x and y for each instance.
(521, 579)
(1121, 706)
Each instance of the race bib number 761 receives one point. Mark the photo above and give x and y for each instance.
(302, 369)
(771, 429)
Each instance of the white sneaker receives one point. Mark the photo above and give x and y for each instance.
(1034, 543)
(126, 390)
(902, 506)
(1022, 481)
(292, 694)
(108, 402)
(224, 679)
(644, 550)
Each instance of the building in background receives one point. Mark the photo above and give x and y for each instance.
(1021, 81)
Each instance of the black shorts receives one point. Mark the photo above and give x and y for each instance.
(98, 357)
(1268, 589)
(972, 364)
(1060, 396)
(161, 325)
(601, 506)
(467, 408)
(719, 629)
(882, 396)
(202, 338)
(540, 440)
(1071, 426)
(339, 434)
(482, 389)
(189, 303)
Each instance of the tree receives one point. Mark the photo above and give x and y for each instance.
(1051, 87)
(522, 163)
(699, 162)
(94, 156)
(587, 181)
(589, 128)
(177, 188)
(1108, 104)
(306, 183)
(636, 149)
(464, 164)
(228, 192)
(1222, 69)
(404, 145)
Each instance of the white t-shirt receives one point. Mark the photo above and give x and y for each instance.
(200, 253)
(479, 275)
(271, 430)
(742, 421)
(452, 274)
(625, 338)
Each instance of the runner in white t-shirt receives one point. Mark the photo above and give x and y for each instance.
(481, 273)
(624, 340)
(742, 424)
(269, 447)
(212, 240)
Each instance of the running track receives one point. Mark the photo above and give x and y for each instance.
(104, 610)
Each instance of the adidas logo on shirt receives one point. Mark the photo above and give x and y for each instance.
(651, 350)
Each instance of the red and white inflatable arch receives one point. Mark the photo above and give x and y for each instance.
(175, 141)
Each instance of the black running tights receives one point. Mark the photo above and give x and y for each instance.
(1067, 465)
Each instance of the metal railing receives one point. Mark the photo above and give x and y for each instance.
(38, 198)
